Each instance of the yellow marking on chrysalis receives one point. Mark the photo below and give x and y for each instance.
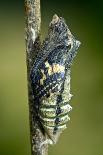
(49, 67)
(58, 68)
(43, 78)
(50, 71)
(47, 64)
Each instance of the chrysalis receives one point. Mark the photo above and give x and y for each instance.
(50, 78)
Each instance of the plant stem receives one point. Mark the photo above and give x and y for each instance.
(32, 37)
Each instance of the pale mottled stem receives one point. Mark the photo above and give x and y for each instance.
(32, 37)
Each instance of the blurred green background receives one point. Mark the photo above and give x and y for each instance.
(84, 135)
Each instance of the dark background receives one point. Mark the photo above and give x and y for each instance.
(84, 135)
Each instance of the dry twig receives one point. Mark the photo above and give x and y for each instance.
(32, 37)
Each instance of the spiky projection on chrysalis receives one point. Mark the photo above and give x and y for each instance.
(50, 79)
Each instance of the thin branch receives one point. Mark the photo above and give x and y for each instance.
(32, 29)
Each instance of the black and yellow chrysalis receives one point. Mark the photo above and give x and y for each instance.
(50, 78)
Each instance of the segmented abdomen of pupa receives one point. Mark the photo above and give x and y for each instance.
(54, 112)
